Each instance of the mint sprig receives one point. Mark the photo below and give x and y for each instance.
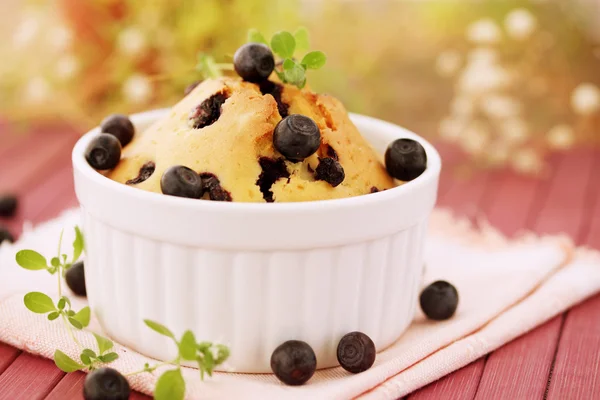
(170, 384)
(286, 45)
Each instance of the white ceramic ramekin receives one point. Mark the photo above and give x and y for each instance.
(255, 275)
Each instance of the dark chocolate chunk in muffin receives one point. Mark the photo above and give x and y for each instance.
(330, 171)
(272, 170)
(208, 111)
(145, 172)
(212, 186)
(374, 189)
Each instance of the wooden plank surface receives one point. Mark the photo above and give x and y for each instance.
(460, 385)
(8, 354)
(29, 377)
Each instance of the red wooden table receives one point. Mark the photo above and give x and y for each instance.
(558, 360)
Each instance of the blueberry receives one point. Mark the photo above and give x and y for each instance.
(330, 171)
(254, 62)
(8, 205)
(119, 126)
(182, 182)
(294, 362)
(405, 159)
(75, 278)
(356, 352)
(439, 300)
(103, 152)
(297, 137)
(5, 235)
(105, 384)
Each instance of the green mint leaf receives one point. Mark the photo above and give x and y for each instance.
(55, 261)
(222, 354)
(77, 244)
(283, 44)
(66, 363)
(83, 317)
(254, 36)
(208, 361)
(294, 74)
(104, 344)
(39, 302)
(314, 60)
(64, 256)
(280, 75)
(70, 313)
(302, 41)
(85, 359)
(170, 386)
(89, 352)
(110, 357)
(61, 303)
(203, 346)
(207, 66)
(75, 323)
(163, 330)
(53, 315)
(31, 260)
(187, 346)
(67, 300)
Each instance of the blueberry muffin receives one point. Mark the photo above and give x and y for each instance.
(235, 135)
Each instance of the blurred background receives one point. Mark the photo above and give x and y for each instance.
(506, 83)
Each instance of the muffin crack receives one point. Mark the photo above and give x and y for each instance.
(146, 172)
(272, 170)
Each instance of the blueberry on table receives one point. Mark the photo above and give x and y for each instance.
(405, 159)
(294, 362)
(439, 300)
(75, 278)
(330, 171)
(254, 62)
(103, 152)
(297, 137)
(356, 352)
(8, 205)
(119, 126)
(181, 181)
(105, 384)
(5, 235)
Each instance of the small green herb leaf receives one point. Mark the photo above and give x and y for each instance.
(31, 260)
(109, 357)
(104, 344)
(302, 41)
(55, 261)
(254, 36)
(61, 303)
(283, 44)
(222, 354)
(66, 363)
(70, 313)
(170, 386)
(75, 323)
(163, 330)
(204, 345)
(89, 353)
(208, 361)
(53, 315)
(85, 359)
(314, 60)
(294, 73)
(207, 66)
(83, 316)
(39, 302)
(77, 244)
(187, 346)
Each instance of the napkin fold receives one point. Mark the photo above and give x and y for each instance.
(506, 288)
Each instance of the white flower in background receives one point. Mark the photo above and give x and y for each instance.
(60, 38)
(520, 24)
(448, 62)
(131, 41)
(37, 90)
(585, 99)
(137, 89)
(484, 31)
(514, 130)
(462, 106)
(483, 55)
(27, 30)
(499, 106)
(451, 129)
(475, 139)
(481, 78)
(526, 161)
(561, 137)
(66, 67)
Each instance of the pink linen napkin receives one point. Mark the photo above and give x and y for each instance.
(506, 288)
